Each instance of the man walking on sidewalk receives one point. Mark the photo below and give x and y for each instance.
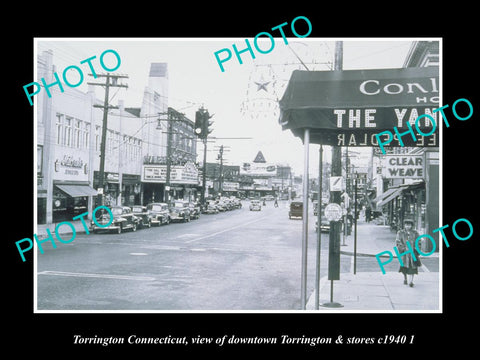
(409, 265)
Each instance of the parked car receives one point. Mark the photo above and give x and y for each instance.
(141, 212)
(210, 208)
(255, 205)
(220, 205)
(324, 226)
(123, 219)
(179, 211)
(195, 210)
(236, 202)
(159, 213)
(296, 209)
(228, 204)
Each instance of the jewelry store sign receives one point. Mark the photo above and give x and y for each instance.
(70, 166)
(187, 174)
(404, 167)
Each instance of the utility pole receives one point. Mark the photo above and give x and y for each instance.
(166, 194)
(220, 180)
(105, 108)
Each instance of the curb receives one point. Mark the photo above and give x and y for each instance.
(351, 253)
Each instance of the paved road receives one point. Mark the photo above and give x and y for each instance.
(237, 260)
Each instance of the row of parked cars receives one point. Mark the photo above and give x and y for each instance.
(154, 214)
(214, 206)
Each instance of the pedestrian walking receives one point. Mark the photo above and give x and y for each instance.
(368, 214)
(410, 266)
(276, 203)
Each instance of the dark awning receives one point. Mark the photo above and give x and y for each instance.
(77, 190)
(359, 102)
(384, 195)
(392, 193)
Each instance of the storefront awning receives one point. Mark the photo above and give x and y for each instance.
(348, 107)
(384, 195)
(78, 190)
(391, 196)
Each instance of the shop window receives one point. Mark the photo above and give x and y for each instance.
(68, 131)
(86, 137)
(39, 159)
(59, 126)
(97, 138)
(77, 137)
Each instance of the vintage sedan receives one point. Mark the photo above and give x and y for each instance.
(324, 225)
(296, 209)
(143, 216)
(210, 208)
(195, 210)
(123, 219)
(255, 205)
(159, 213)
(179, 211)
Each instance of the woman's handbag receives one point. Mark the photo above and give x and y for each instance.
(417, 262)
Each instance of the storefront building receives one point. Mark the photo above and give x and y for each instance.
(412, 174)
(69, 128)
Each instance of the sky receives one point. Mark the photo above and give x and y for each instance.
(243, 98)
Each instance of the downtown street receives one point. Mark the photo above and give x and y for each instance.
(234, 260)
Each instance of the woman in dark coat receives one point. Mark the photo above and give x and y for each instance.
(410, 265)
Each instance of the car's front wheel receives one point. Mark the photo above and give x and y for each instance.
(119, 230)
(134, 228)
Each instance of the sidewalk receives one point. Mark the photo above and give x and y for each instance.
(371, 240)
(374, 291)
(62, 229)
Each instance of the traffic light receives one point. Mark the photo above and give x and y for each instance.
(202, 123)
(198, 123)
(206, 124)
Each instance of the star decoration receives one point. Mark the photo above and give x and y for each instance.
(262, 86)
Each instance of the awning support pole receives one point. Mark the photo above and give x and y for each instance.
(306, 145)
(319, 232)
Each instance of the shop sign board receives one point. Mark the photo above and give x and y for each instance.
(404, 167)
(337, 183)
(187, 174)
(71, 166)
(230, 186)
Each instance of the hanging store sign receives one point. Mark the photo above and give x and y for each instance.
(349, 107)
(187, 174)
(403, 167)
(230, 186)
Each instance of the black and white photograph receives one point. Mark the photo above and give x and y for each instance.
(255, 194)
(263, 186)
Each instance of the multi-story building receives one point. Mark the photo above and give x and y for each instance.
(414, 192)
(69, 135)
(69, 129)
(174, 174)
